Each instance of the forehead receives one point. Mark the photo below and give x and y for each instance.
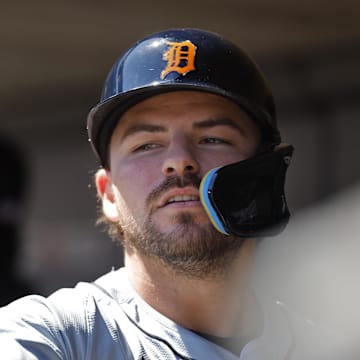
(185, 106)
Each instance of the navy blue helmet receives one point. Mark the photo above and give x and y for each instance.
(181, 59)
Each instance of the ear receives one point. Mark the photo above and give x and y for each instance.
(105, 189)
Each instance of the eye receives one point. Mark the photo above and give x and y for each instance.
(214, 141)
(147, 147)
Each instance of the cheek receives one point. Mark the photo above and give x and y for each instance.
(134, 181)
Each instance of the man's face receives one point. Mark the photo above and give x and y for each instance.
(159, 151)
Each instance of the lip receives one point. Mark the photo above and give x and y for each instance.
(187, 191)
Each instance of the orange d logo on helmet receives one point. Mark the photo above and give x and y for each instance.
(180, 58)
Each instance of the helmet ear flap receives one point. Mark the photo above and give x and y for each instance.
(247, 198)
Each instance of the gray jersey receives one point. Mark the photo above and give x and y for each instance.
(101, 320)
(108, 320)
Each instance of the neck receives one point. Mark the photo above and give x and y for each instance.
(217, 305)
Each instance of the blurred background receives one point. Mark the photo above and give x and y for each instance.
(55, 56)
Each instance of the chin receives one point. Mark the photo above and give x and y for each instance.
(188, 220)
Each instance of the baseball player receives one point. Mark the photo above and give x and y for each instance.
(192, 175)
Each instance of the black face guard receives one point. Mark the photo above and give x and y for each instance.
(247, 198)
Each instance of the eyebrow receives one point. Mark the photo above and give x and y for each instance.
(143, 128)
(209, 123)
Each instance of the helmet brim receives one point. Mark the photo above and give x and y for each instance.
(103, 118)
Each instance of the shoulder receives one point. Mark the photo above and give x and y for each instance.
(39, 328)
(70, 323)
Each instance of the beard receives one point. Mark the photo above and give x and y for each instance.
(191, 249)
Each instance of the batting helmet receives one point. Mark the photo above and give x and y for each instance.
(181, 59)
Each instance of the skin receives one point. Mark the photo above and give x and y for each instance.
(184, 133)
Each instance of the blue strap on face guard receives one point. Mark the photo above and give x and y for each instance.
(247, 198)
(206, 184)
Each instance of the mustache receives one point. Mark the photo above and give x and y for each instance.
(173, 182)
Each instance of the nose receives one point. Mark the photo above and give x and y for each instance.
(180, 159)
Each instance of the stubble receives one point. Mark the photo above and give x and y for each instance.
(191, 249)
